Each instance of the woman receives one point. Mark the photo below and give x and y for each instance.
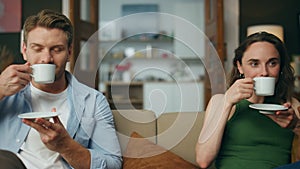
(237, 136)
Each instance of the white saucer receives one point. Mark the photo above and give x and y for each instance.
(33, 115)
(266, 112)
(268, 108)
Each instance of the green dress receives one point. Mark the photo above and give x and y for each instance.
(253, 141)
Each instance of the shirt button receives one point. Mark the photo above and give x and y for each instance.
(18, 140)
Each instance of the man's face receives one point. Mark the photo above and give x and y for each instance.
(46, 45)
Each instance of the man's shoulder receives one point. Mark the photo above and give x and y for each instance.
(79, 86)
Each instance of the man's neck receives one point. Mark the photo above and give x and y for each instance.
(57, 87)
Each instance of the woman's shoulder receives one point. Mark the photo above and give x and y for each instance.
(296, 106)
(218, 100)
(294, 100)
(218, 96)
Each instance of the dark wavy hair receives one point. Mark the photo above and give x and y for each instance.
(285, 86)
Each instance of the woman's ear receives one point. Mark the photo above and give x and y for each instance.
(239, 66)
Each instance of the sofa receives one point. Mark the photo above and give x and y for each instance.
(167, 141)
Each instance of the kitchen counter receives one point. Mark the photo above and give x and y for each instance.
(166, 96)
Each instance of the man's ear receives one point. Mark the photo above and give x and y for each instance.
(24, 51)
(70, 51)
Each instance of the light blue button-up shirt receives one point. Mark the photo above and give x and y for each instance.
(90, 123)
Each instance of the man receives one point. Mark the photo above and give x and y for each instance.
(83, 135)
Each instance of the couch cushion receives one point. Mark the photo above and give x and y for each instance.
(142, 154)
(179, 132)
(128, 121)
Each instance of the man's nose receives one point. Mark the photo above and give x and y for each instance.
(47, 57)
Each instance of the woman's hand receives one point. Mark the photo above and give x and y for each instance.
(239, 90)
(297, 127)
(286, 119)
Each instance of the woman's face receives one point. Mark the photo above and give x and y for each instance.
(260, 59)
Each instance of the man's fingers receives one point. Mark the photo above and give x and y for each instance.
(56, 119)
(36, 125)
(41, 125)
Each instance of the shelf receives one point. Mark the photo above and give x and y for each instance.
(124, 95)
(133, 101)
(144, 38)
(138, 41)
(121, 83)
(152, 48)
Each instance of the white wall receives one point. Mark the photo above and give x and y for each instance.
(231, 30)
(111, 9)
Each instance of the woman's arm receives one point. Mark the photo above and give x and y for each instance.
(220, 108)
(296, 142)
(210, 138)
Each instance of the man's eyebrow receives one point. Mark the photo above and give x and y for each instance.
(55, 46)
(35, 44)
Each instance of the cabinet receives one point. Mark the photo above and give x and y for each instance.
(159, 97)
(124, 95)
(173, 97)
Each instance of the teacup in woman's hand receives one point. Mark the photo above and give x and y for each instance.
(264, 86)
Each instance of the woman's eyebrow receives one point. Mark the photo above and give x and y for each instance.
(252, 60)
(274, 58)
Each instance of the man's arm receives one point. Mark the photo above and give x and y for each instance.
(103, 149)
(56, 138)
(76, 155)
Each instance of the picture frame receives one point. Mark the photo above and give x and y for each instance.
(10, 16)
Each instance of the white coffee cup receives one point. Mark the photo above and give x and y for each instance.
(43, 73)
(264, 86)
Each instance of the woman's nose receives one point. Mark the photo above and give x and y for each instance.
(264, 71)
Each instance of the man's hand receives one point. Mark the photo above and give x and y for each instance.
(56, 138)
(14, 78)
(53, 135)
